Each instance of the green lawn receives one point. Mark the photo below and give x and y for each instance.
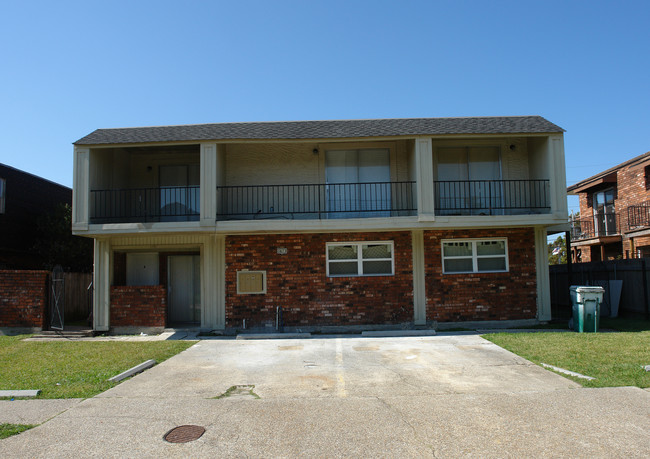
(614, 359)
(74, 369)
(7, 430)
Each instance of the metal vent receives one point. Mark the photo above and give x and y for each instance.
(251, 282)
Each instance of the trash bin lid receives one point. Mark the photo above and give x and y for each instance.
(587, 289)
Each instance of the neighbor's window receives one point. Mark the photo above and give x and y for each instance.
(2, 195)
(474, 256)
(360, 259)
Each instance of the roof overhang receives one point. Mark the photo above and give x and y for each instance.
(594, 182)
(596, 241)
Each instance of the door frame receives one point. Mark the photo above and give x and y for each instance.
(196, 289)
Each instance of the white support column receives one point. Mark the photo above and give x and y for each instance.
(419, 280)
(543, 281)
(424, 177)
(208, 194)
(81, 189)
(558, 175)
(213, 282)
(221, 282)
(102, 285)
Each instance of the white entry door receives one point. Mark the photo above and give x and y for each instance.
(184, 289)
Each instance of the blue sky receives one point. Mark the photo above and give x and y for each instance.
(71, 67)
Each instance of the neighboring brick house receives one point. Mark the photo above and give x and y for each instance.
(364, 223)
(614, 219)
(24, 199)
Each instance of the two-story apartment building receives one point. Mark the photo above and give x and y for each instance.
(387, 222)
(614, 217)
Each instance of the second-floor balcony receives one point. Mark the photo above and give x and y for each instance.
(316, 201)
(492, 197)
(638, 216)
(320, 201)
(600, 225)
(145, 205)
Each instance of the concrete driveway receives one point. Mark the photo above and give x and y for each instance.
(442, 396)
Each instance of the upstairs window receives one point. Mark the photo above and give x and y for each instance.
(360, 259)
(474, 256)
(2, 195)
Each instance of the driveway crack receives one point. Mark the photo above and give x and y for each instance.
(403, 418)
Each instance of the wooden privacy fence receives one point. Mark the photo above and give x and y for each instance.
(78, 298)
(634, 299)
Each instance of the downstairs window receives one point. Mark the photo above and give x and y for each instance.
(360, 259)
(474, 256)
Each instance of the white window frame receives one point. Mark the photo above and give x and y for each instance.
(475, 257)
(360, 258)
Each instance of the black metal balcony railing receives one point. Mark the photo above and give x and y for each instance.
(319, 201)
(638, 216)
(316, 201)
(491, 197)
(176, 203)
(599, 225)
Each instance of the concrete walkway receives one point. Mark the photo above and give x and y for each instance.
(442, 396)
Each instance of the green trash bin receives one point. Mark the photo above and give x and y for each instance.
(585, 303)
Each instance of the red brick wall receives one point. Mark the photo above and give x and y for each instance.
(298, 282)
(23, 298)
(639, 242)
(138, 306)
(586, 212)
(482, 296)
(631, 191)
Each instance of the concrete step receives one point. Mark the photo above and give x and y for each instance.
(49, 334)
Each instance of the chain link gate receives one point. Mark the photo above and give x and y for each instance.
(57, 298)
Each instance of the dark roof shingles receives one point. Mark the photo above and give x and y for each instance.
(322, 129)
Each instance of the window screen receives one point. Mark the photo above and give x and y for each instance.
(468, 256)
(360, 259)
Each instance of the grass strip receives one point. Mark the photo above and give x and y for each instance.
(7, 430)
(81, 369)
(614, 359)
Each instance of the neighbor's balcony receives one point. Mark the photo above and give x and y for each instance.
(142, 205)
(316, 201)
(492, 197)
(638, 216)
(600, 225)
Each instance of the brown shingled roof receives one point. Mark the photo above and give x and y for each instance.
(322, 129)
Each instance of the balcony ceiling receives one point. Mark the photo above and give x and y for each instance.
(328, 129)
